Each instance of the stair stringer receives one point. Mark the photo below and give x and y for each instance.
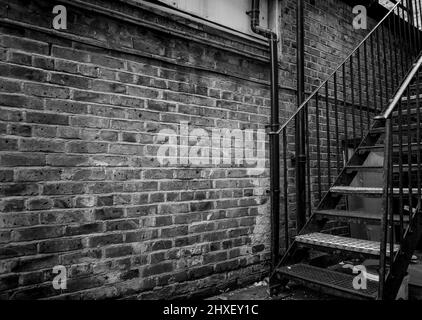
(402, 258)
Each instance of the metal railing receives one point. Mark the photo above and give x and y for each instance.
(402, 170)
(339, 112)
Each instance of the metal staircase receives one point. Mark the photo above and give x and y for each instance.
(363, 168)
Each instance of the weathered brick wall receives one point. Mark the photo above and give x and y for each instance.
(81, 185)
(81, 113)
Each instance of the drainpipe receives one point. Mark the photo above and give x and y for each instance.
(300, 161)
(274, 138)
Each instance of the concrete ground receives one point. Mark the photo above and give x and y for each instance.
(259, 291)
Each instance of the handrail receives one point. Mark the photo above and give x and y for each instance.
(400, 91)
(335, 71)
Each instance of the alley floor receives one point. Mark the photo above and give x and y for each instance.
(259, 291)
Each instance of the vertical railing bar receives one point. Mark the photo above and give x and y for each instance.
(409, 151)
(412, 29)
(409, 37)
(401, 38)
(404, 41)
(391, 190)
(327, 116)
(352, 87)
(391, 57)
(416, 26)
(336, 124)
(379, 71)
(327, 110)
(415, 35)
(419, 16)
(374, 85)
(390, 198)
(418, 140)
(308, 161)
(400, 166)
(318, 147)
(367, 86)
(345, 110)
(360, 94)
(395, 50)
(285, 185)
(384, 56)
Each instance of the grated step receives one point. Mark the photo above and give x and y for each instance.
(396, 128)
(374, 169)
(340, 282)
(396, 147)
(368, 191)
(378, 169)
(342, 243)
(356, 215)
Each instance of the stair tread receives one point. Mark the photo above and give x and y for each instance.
(414, 145)
(357, 167)
(396, 167)
(328, 278)
(356, 214)
(356, 190)
(342, 243)
(396, 128)
(377, 191)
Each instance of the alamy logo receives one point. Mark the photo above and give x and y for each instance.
(60, 20)
(60, 281)
(361, 19)
(197, 147)
(360, 281)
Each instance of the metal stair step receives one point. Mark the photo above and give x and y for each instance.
(396, 128)
(339, 284)
(379, 169)
(368, 191)
(364, 168)
(356, 215)
(396, 147)
(341, 243)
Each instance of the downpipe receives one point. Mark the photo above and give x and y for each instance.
(300, 161)
(273, 138)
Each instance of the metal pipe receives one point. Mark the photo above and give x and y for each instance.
(274, 139)
(300, 151)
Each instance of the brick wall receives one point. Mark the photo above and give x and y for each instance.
(82, 187)
(81, 114)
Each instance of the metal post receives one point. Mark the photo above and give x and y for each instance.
(274, 138)
(275, 155)
(300, 162)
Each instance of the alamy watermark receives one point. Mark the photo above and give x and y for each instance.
(60, 20)
(222, 146)
(361, 19)
(60, 281)
(360, 282)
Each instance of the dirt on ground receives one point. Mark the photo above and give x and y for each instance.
(260, 291)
